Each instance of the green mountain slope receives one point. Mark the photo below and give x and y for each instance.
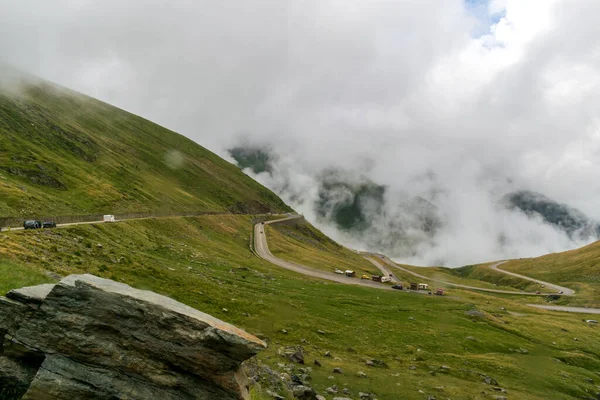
(65, 153)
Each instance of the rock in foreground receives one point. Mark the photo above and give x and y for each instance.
(92, 338)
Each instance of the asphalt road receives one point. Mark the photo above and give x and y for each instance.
(581, 310)
(392, 264)
(262, 250)
(566, 291)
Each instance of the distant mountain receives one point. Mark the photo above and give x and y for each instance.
(568, 219)
(348, 201)
(64, 153)
(258, 159)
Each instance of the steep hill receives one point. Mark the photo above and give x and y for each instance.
(65, 153)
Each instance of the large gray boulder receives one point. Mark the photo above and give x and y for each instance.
(92, 338)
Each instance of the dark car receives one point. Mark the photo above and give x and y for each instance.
(32, 224)
(49, 224)
(397, 287)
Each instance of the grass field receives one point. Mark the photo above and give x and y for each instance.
(432, 346)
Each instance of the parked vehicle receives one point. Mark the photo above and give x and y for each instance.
(365, 277)
(109, 218)
(397, 287)
(49, 224)
(350, 273)
(339, 271)
(439, 292)
(423, 286)
(32, 224)
(414, 286)
(376, 278)
(385, 279)
(538, 292)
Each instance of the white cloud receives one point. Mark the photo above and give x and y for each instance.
(393, 90)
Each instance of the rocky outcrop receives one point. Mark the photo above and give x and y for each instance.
(92, 338)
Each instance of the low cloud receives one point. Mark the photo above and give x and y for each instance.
(457, 103)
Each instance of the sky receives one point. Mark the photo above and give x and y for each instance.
(471, 99)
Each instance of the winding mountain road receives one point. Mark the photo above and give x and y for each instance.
(392, 264)
(384, 264)
(262, 250)
(561, 289)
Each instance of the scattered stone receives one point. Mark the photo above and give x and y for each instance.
(411, 318)
(332, 389)
(297, 357)
(295, 379)
(475, 313)
(327, 354)
(302, 392)
(225, 310)
(341, 398)
(501, 398)
(274, 395)
(361, 374)
(302, 340)
(99, 245)
(284, 331)
(432, 373)
(285, 376)
(345, 391)
(320, 332)
(370, 363)
(412, 367)
(364, 396)
(445, 368)
(489, 381)
(337, 359)
(589, 380)
(319, 397)
(471, 338)
(379, 364)
(337, 370)
(317, 363)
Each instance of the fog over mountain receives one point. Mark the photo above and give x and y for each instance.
(421, 117)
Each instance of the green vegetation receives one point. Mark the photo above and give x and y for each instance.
(206, 262)
(63, 153)
(15, 275)
(577, 269)
(304, 244)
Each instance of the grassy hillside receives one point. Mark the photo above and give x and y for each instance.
(306, 245)
(431, 346)
(577, 269)
(477, 275)
(63, 153)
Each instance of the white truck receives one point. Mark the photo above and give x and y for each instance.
(109, 218)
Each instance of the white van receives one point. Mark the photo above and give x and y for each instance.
(109, 218)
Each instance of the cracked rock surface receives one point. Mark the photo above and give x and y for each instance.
(93, 338)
